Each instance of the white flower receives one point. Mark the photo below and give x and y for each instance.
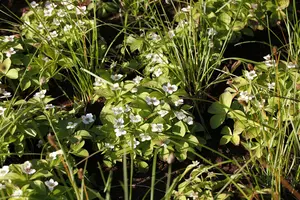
(250, 75)
(115, 86)
(119, 123)
(178, 102)
(267, 57)
(152, 101)
(34, 4)
(26, 168)
(4, 170)
(271, 86)
(134, 90)
(157, 127)
(65, 2)
(171, 33)
(9, 38)
(79, 23)
(157, 58)
(56, 21)
(49, 106)
(163, 113)
(10, 52)
(40, 94)
(186, 9)
(46, 59)
(291, 65)
(137, 79)
(2, 186)
(108, 145)
(170, 88)
(135, 118)
(180, 115)
(53, 34)
(2, 110)
(40, 144)
(189, 120)
(54, 154)
(144, 137)
(244, 96)
(98, 82)
(154, 37)
(88, 118)
(71, 125)
(67, 28)
(51, 184)
(211, 32)
(61, 13)
(135, 143)
(17, 193)
(116, 77)
(120, 132)
(80, 10)
(268, 62)
(48, 12)
(5, 95)
(70, 7)
(127, 108)
(157, 72)
(117, 110)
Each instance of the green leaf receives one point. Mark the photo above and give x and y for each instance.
(216, 108)
(224, 17)
(235, 139)
(179, 128)
(38, 186)
(4, 67)
(81, 153)
(239, 127)
(142, 166)
(40, 174)
(217, 120)
(238, 25)
(225, 139)
(84, 134)
(12, 74)
(283, 3)
(226, 99)
(226, 131)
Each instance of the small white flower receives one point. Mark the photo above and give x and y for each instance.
(179, 102)
(26, 168)
(67, 28)
(2, 110)
(157, 127)
(250, 75)
(117, 110)
(137, 79)
(154, 37)
(171, 33)
(115, 86)
(157, 58)
(53, 34)
(110, 146)
(120, 132)
(116, 77)
(54, 154)
(291, 65)
(271, 86)
(134, 90)
(157, 72)
(98, 82)
(170, 88)
(70, 7)
(268, 62)
(46, 59)
(51, 184)
(189, 120)
(48, 12)
(163, 113)
(40, 144)
(80, 23)
(88, 118)
(49, 106)
(80, 10)
(119, 123)
(5, 95)
(144, 137)
(152, 101)
(4, 170)
(267, 57)
(65, 2)
(135, 118)
(17, 193)
(10, 52)
(71, 125)
(180, 115)
(61, 13)
(34, 4)
(2, 186)
(135, 143)
(127, 108)
(186, 9)
(9, 38)
(56, 21)
(40, 94)
(244, 96)
(211, 32)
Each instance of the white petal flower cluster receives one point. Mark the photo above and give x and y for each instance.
(154, 37)
(268, 61)
(51, 184)
(5, 94)
(170, 88)
(4, 170)
(186, 9)
(271, 86)
(34, 4)
(71, 125)
(181, 116)
(135, 118)
(40, 94)
(117, 110)
(26, 168)
(88, 118)
(2, 110)
(179, 102)
(116, 77)
(115, 86)
(144, 137)
(9, 38)
(250, 75)
(67, 28)
(152, 101)
(61, 13)
(245, 96)
(156, 58)
(17, 193)
(133, 143)
(11, 51)
(108, 145)
(157, 72)
(157, 128)
(98, 82)
(291, 65)
(137, 80)
(81, 10)
(54, 154)
(163, 113)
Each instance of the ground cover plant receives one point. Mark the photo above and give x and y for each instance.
(138, 99)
